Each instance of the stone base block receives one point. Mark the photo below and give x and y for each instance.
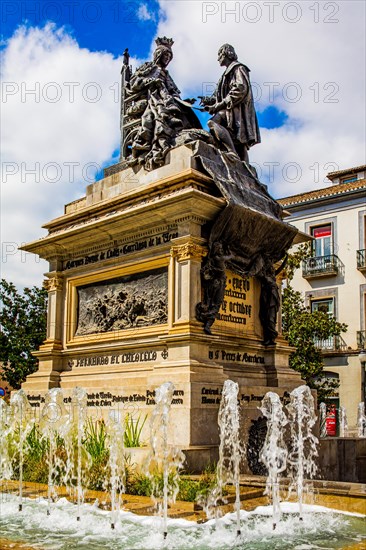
(198, 458)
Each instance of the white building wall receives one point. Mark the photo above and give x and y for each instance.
(347, 288)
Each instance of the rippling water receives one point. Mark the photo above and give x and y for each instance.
(321, 528)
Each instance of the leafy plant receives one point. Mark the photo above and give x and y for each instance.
(95, 440)
(139, 484)
(302, 327)
(198, 489)
(190, 490)
(146, 485)
(36, 445)
(133, 429)
(95, 443)
(23, 329)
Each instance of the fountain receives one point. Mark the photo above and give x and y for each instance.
(78, 403)
(230, 454)
(117, 462)
(166, 267)
(323, 419)
(318, 526)
(343, 423)
(361, 420)
(54, 422)
(20, 424)
(274, 452)
(6, 470)
(163, 458)
(303, 443)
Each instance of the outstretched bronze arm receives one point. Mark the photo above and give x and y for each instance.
(206, 100)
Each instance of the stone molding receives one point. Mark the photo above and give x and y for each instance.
(190, 218)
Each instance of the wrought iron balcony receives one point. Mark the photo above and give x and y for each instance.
(361, 260)
(321, 266)
(361, 339)
(334, 343)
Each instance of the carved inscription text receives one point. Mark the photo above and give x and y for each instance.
(237, 306)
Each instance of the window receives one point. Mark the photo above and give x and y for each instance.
(361, 334)
(323, 243)
(349, 179)
(326, 306)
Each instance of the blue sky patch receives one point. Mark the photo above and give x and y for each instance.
(272, 117)
(98, 26)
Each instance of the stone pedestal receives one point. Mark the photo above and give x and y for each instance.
(123, 286)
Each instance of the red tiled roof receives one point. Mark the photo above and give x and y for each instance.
(333, 190)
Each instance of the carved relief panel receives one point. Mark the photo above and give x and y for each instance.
(126, 302)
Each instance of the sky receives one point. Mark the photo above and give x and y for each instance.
(60, 71)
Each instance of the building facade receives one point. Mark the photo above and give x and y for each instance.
(333, 279)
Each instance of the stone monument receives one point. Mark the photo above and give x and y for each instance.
(167, 269)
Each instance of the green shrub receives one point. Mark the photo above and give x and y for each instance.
(188, 489)
(36, 470)
(95, 440)
(95, 444)
(36, 446)
(133, 429)
(97, 475)
(139, 484)
(191, 490)
(95, 462)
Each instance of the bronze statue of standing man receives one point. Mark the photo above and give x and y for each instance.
(234, 123)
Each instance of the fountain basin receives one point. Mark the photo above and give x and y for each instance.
(320, 527)
(135, 527)
(345, 497)
(239, 513)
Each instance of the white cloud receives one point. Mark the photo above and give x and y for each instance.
(320, 58)
(325, 128)
(72, 117)
(144, 14)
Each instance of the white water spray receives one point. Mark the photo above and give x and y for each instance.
(303, 443)
(274, 452)
(343, 423)
(230, 452)
(79, 404)
(361, 420)
(164, 459)
(6, 469)
(117, 465)
(21, 419)
(323, 419)
(54, 421)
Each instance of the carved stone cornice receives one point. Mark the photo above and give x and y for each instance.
(188, 251)
(53, 283)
